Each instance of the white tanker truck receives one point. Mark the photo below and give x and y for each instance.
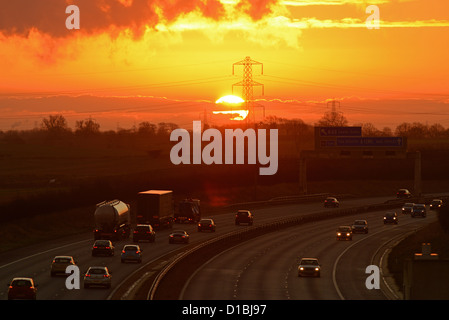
(112, 220)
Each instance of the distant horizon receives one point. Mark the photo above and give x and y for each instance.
(113, 113)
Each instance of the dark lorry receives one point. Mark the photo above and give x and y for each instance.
(189, 211)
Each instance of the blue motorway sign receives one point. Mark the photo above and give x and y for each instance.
(340, 131)
(369, 142)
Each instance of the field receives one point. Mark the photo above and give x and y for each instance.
(49, 186)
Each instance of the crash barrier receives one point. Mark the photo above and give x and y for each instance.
(279, 201)
(173, 276)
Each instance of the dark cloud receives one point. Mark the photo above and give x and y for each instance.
(19, 17)
(256, 8)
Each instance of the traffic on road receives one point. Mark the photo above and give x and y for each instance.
(105, 264)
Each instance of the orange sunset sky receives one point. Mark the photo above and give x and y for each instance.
(170, 60)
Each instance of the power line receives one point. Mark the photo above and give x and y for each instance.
(291, 81)
(133, 87)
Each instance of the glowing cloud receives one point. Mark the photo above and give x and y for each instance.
(230, 99)
(238, 115)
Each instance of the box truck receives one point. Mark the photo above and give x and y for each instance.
(155, 207)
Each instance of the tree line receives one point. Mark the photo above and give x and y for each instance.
(56, 126)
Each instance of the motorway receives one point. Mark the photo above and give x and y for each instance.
(265, 268)
(315, 239)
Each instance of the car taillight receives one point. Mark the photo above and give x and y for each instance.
(123, 251)
(95, 247)
(87, 275)
(106, 276)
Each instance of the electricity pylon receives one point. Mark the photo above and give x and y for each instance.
(247, 84)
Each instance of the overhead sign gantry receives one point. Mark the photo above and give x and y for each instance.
(348, 143)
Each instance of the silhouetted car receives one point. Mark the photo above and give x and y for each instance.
(360, 226)
(407, 208)
(131, 252)
(144, 232)
(97, 276)
(436, 204)
(60, 264)
(391, 217)
(178, 236)
(331, 202)
(244, 216)
(309, 267)
(403, 193)
(419, 209)
(344, 233)
(102, 247)
(206, 224)
(22, 288)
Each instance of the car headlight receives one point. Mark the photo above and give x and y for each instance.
(338, 234)
(317, 269)
(301, 268)
(347, 234)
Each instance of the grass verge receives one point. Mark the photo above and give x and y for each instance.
(433, 234)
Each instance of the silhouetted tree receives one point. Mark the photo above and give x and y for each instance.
(87, 127)
(418, 130)
(436, 130)
(332, 119)
(369, 130)
(403, 129)
(387, 132)
(165, 128)
(55, 125)
(147, 128)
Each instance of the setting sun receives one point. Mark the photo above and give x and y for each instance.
(233, 102)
